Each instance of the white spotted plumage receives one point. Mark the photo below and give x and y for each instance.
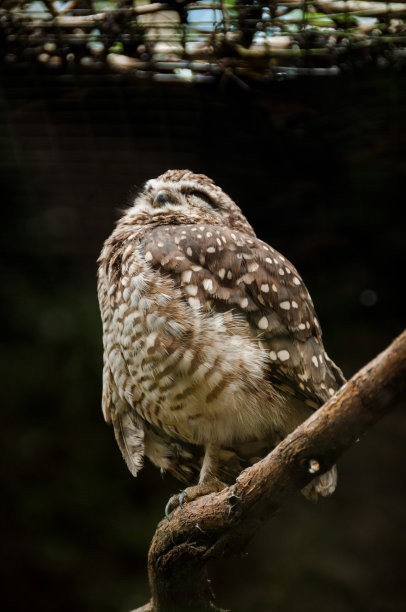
(207, 339)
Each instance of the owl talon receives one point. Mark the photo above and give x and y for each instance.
(173, 502)
(192, 493)
(181, 497)
(168, 509)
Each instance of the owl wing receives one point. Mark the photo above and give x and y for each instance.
(128, 431)
(222, 269)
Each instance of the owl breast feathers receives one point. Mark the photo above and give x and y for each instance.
(212, 349)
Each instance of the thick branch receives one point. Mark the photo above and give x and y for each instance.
(220, 524)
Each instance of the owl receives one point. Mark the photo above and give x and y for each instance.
(212, 349)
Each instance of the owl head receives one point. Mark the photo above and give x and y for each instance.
(182, 197)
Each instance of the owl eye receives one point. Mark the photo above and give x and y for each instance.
(202, 196)
(162, 198)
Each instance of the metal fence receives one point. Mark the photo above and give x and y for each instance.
(204, 41)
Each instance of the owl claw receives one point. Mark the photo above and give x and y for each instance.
(175, 501)
(170, 506)
(167, 510)
(181, 497)
(191, 493)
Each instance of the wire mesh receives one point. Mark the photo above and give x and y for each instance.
(202, 41)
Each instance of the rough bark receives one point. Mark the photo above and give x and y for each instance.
(221, 524)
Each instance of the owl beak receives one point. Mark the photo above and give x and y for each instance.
(162, 198)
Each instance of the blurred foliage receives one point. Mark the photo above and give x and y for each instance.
(319, 171)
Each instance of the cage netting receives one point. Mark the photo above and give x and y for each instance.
(202, 41)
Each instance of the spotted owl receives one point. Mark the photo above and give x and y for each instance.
(212, 349)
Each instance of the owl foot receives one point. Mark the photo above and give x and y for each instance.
(211, 486)
(323, 485)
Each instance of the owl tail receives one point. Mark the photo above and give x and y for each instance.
(323, 485)
(130, 439)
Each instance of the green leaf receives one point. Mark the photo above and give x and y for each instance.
(117, 47)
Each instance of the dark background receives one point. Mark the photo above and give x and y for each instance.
(318, 167)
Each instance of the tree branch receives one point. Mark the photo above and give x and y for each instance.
(221, 524)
